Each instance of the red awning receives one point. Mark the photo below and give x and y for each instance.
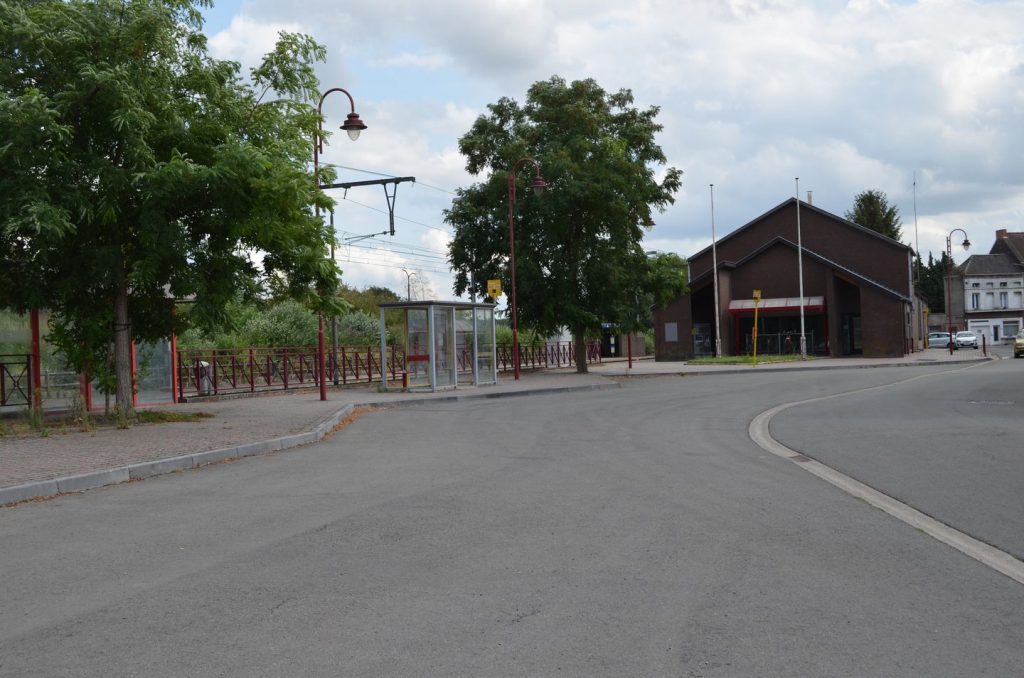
(779, 305)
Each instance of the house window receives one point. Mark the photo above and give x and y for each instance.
(1002, 284)
(975, 301)
(988, 284)
(990, 300)
(1010, 329)
(1017, 300)
(975, 284)
(1002, 299)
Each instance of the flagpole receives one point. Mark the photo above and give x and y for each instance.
(800, 268)
(714, 263)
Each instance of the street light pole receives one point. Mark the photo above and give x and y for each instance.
(538, 187)
(714, 265)
(949, 280)
(800, 267)
(353, 125)
(408, 283)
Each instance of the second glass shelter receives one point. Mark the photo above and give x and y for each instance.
(448, 344)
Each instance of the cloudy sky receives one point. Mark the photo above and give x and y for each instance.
(846, 95)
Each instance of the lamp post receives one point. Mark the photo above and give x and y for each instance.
(949, 280)
(538, 187)
(714, 266)
(353, 125)
(408, 283)
(800, 268)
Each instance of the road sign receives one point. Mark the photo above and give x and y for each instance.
(494, 289)
(757, 295)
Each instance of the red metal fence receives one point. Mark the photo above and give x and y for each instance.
(208, 372)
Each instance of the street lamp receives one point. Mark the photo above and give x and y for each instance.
(538, 187)
(949, 280)
(353, 125)
(408, 283)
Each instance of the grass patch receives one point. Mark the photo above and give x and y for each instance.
(744, 360)
(79, 421)
(165, 417)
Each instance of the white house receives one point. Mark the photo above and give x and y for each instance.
(993, 287)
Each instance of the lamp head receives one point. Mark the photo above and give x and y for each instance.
(967, 244)
(353, 125)
(538, 185)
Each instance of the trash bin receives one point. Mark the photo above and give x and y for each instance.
(204, 378)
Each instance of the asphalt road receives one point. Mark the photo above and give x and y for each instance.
(633, 532)
(950, 445)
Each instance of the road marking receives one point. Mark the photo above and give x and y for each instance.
(998, 560)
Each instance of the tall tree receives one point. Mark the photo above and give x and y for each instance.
(871, 209)
(134, 169)
(579, 260)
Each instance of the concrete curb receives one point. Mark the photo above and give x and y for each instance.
(45, 489)
(746, 370)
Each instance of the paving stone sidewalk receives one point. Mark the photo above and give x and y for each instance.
(237, 423)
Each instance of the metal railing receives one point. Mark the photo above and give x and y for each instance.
(206, 372)
(551, 354)
(210, 372)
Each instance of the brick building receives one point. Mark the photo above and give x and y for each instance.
(858, 297)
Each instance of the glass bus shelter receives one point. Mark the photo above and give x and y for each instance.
(448, 344)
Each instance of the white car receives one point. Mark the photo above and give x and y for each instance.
(966, 340)
(938, 340)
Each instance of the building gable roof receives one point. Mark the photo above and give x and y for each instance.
(1012, 244)
(779, 240)
(812, 208)
(991, 264)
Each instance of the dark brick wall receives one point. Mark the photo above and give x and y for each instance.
(775, 272)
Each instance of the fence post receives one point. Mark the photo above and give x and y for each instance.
(284, 365)
(252, 372)
(369, 365)
(181, 383)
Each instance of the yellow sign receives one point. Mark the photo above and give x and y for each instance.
(494, 289)
(757, 294)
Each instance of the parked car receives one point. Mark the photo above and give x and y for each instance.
(966, 340)
(938, 340)
(1018, 345)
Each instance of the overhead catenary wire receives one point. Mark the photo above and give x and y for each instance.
(397, 248)
(411, 221)
(351, 260)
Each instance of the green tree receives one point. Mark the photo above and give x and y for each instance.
(932, 285)
(871, 209)
(579, 260)
(369, 298)
(134, 169)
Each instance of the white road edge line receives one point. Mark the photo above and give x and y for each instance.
(998, 560)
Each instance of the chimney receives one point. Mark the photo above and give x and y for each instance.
(810, 198)
(1001, 234)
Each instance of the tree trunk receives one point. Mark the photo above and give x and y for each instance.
(123, 352)
(579, 338)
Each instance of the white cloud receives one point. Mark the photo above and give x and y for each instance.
(847, 96)
(424, 61)
(246, 40)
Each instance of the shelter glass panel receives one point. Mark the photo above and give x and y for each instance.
(417, 347)
(485, 345)
(444, 347)
(464, 345)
